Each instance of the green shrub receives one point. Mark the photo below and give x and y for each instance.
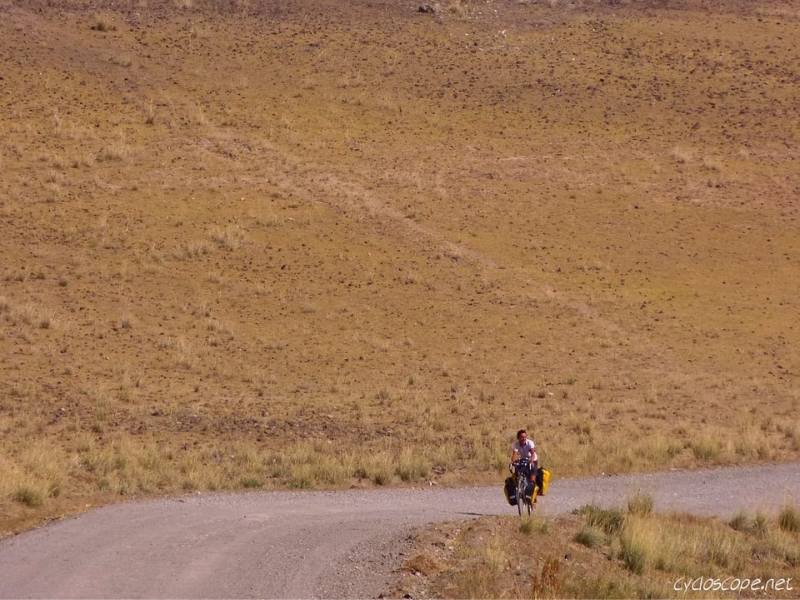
(609, 520)
(534, 524)
(590, 537)
(29, 496)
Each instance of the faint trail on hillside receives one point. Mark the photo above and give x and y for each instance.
(352, 199)
(315, 544)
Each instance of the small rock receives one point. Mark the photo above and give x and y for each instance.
(426, 9)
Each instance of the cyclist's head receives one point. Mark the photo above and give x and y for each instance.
(522, 435)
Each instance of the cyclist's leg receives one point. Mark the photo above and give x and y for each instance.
(532, 483)
(529, 489)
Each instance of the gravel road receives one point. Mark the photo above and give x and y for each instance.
(313, 544)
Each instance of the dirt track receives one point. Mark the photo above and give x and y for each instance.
(332, 544)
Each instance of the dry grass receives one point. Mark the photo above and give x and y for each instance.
(543, 211)
(789, 519)
(149, 110)
(230, 237)
(113, 152)
(124, 466)
(599, 553)
(35, 475)
(103, 23)
(590, 536)
(28, 315)
(640, 504)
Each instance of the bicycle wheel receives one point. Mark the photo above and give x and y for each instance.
(520, 495)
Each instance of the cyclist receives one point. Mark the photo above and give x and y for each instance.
(525, 448)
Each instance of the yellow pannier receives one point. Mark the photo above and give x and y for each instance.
(545, 481)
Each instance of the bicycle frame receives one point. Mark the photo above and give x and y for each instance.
(522, 474)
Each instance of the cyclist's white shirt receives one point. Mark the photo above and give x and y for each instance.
(526, 450)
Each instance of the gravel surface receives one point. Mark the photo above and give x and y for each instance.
(314, 544)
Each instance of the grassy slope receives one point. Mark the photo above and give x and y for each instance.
(606, 554)
(242, 247)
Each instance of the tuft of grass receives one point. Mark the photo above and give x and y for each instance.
(228, 238)
(640, 504)
(53, 490)
(706, 449)
(121, 60)
(411, 466)
(102, 23)
(308, 308)
(191, 250)
(760, 524)
(590, 536)
(548, 582)
(682, 154)
(185, 354)
(789, 519)
(633, 549)
(251, 483)
(609, 520)
(380, 477)
(29, 496)
(534, 524)
(378, 468)
(741, 522)
(149, 109)
(114, 152)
